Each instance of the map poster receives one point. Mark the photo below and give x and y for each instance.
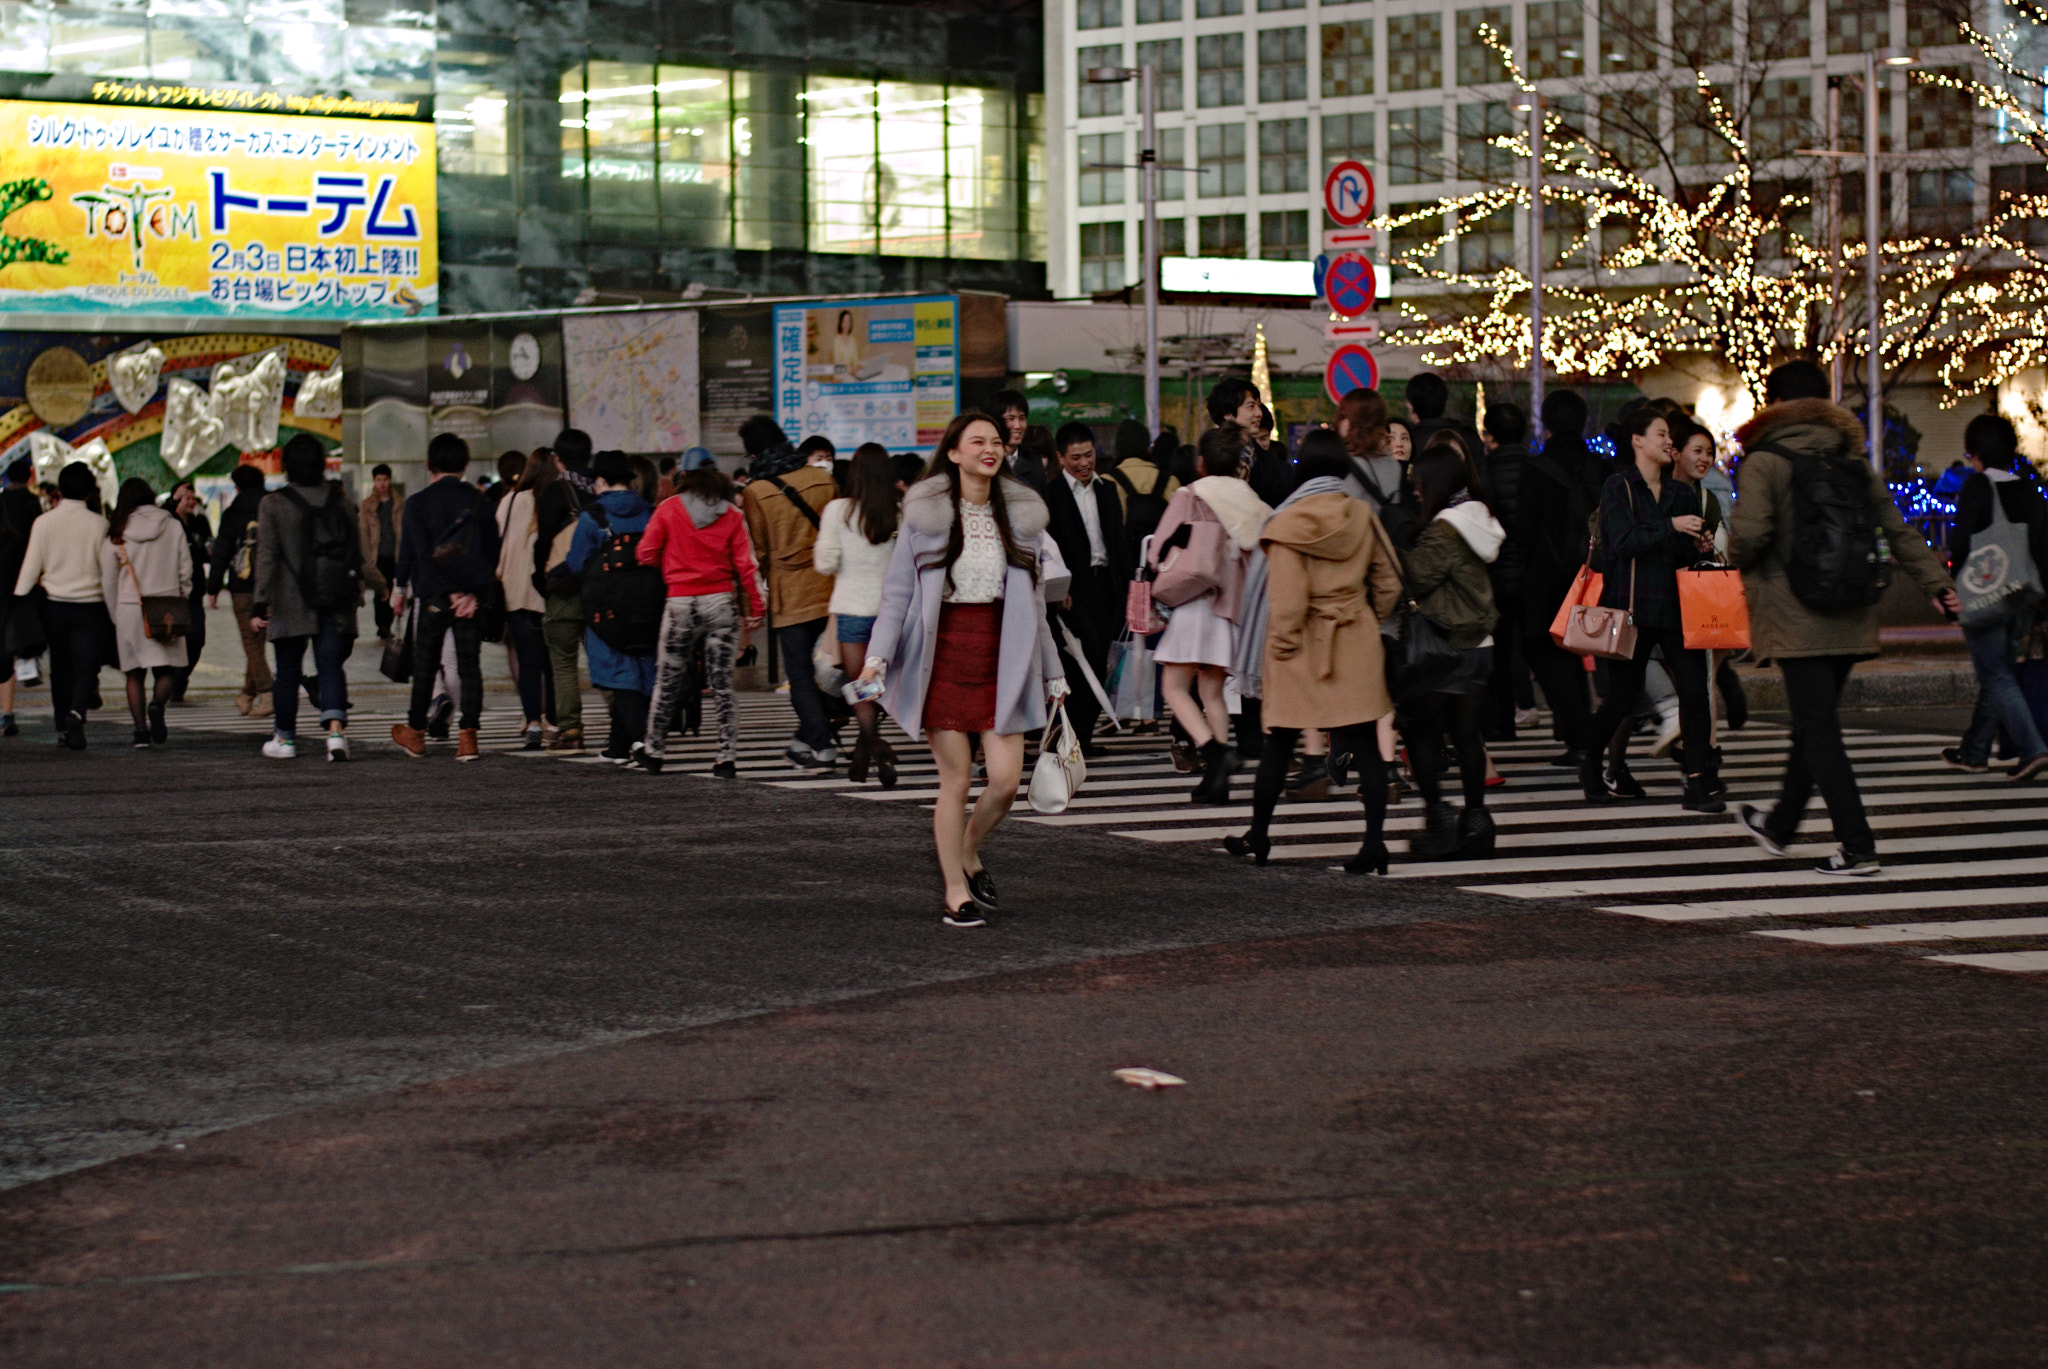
(197, 211)
(878, 370)
(738, 366)
(633, 378)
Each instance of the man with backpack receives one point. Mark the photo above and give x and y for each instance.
(1145, 486)
(1815, 534)
(234, 566)
(307, 586)
(448, 559)
(561, 503)
(783, 503)
(623, 602)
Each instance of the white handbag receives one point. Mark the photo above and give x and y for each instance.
(1060, 771)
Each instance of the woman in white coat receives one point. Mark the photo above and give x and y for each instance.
(145, 556)
(961, 645)
(856, 538)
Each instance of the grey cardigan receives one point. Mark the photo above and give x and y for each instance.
(907, 627)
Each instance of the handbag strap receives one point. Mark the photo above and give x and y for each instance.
(129, 566)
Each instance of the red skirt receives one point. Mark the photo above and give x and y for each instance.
(962, 693)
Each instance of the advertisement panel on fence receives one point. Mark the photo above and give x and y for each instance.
(106, 209)
(882, 370)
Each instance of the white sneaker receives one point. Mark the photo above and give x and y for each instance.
(279, 749)
(1526, 717)
(337, 747)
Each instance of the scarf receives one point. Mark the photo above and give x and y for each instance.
(779, 459)
(1242, 513)
(1249, 665)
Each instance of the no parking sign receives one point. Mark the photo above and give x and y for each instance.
(1351, 368)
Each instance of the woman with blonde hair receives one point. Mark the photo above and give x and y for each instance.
(961, 645)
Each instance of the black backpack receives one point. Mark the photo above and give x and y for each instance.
(623, 600)
(1839, 560)
(1142, 511)
(330, 569)
(1396, 514)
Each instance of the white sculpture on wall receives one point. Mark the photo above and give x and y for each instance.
(192, 431)
(248, 397)
(134, 373)
(319, 394)
(52, 454)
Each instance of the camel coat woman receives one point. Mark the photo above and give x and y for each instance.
(1331, 579)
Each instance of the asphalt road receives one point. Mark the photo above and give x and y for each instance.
(526, 1063)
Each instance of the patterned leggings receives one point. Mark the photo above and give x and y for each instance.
(690, 618)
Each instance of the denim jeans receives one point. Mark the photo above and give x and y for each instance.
(523, 629)
(1999, 700)
(436, 622)
(330, 664)
(798, 641)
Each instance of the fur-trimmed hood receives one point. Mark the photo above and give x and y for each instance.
(928, 509)
(1793, 413)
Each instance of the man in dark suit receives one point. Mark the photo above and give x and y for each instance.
(1086, 519)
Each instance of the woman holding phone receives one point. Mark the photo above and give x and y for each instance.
(960, 643)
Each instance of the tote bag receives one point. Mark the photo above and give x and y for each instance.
(1133, 680)
(1419, 654)
(1712, 609)
(1060, 770)
(1187, 573)
(2000, 578)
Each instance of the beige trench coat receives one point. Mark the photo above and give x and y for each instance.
(1331, 578)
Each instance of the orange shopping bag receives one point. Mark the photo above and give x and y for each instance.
(1713, 609)
(1585, 590)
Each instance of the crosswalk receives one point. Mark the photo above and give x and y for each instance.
(1957, 847)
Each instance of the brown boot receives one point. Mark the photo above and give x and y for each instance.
(410, 740)
(243, 703)
(261, 706)
(465, 745)
(567, 739)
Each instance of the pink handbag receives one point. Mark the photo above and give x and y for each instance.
(1198, 568)
(1608, 632)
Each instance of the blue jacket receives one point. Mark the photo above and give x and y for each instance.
(610, 668)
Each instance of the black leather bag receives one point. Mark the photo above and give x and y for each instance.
(396, 664)
(1419, 653)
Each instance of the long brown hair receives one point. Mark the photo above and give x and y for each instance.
(1365, 422)
(871, 485)
(1024, 558)
(134, 493)
(540, 470)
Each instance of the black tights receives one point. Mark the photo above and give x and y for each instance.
(1364, 744)
(166, 679)
(1423, 725)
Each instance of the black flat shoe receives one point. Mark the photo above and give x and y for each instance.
(159, 731)
(725, 770)
(1257, 847)
(964, 916)
(982, 889)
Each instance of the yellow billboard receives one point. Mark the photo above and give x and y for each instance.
(108, 210)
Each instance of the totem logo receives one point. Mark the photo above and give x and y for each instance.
(138, 213)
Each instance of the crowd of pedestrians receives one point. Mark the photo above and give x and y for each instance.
(1385, 600)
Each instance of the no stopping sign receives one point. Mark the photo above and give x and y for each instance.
(1351, 368)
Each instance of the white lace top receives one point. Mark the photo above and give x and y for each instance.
(978, 575)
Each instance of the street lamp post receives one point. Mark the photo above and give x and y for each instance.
(1835, 241)
(1148, 240)
(1532, 104)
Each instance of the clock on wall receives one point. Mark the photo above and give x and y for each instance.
(525, 356)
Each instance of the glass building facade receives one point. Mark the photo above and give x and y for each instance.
(776, 146)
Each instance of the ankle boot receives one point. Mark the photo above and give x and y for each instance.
(1439, 836)
(1591, 780)
(1370, 860)
(1215, 785)
(1475, 834)
(1698, 798)
(857, 764)
(885, 762)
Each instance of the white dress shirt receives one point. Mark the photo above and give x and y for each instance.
(1091, 519)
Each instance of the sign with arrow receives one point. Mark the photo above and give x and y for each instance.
(1348, 193)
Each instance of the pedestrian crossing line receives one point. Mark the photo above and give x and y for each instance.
(1897, 933)
(1771, 878)
(1844, 905)
(2023, 962)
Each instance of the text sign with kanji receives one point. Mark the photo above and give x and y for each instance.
(1350, 284)
(1351, 368)
(1347, 193)
(199, 211)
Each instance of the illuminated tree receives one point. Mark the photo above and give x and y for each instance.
(16, 195)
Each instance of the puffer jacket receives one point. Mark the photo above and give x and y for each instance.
(1447, 572)
(1760, 532)
(1504, 492)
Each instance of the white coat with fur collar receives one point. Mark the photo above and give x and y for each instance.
(906, 632)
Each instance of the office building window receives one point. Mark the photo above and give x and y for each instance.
(1939, 203)
(1268, 5)
(1283, 156)
(1415, 145)
(1283, 236)
(1780, 120)
(1478, 62)
(1222, 235)
(1628, 35)
(1158, 11)
(1557, 39)
(1283, 65)
(1480, 157)
(1487, 244)
(1098, 14)
(1102, 257)
(1349, 137)
(1696, 139)
(1347, 59)
(1939, 116)
(1217, 9)
(1164, 57)
(1628, 129)
(1219, 70)
(1931, 26)
(1100, 166)
(1780, 33)
(1173, 144)
(1219, 152)
(1173, 237)
(1415, 52)
(1702, 32)
(1105, 97)
(1859, 25)
(693, 120)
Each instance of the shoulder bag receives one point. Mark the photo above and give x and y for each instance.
(1418, 652)
(1609, 633)
(1188, 572)
(396, 662)
(1060, 771)
(1999, 579)
(165, 617)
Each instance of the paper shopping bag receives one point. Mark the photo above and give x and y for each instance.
(1713, 609)
(1585, 589)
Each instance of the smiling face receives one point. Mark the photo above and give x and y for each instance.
(1078, 460)
(1653, 443)
(979, 450)
(1250, 415)
(1016, 421)
(1697, 458)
